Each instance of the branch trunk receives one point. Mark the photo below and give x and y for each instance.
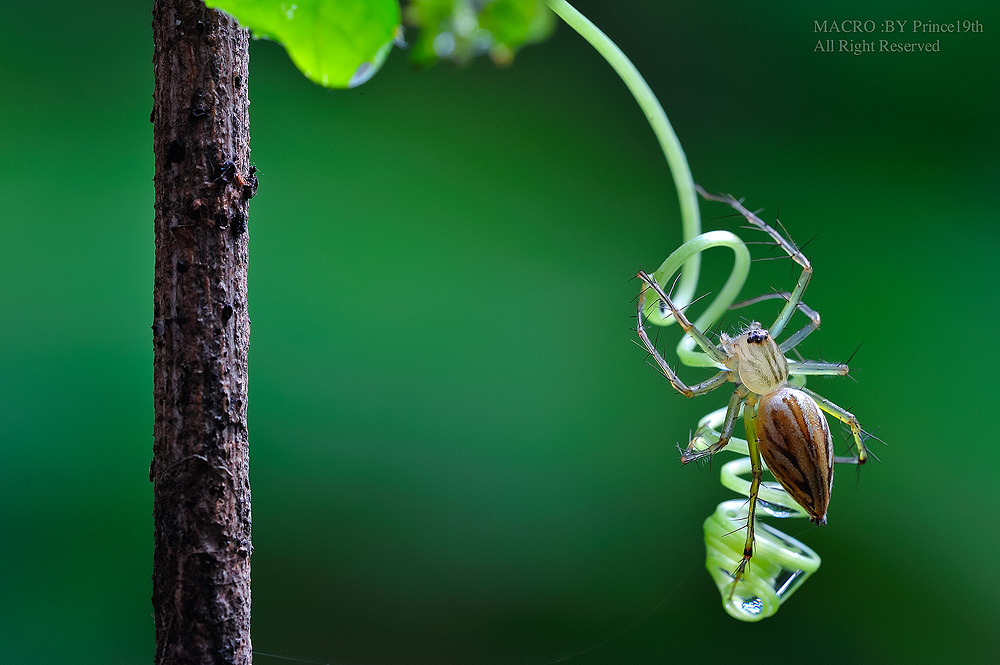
(201, 334)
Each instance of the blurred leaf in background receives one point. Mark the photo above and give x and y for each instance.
(460, 30)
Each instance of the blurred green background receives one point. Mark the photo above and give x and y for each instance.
(459, 456)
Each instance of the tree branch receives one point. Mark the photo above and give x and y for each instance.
(201, 331)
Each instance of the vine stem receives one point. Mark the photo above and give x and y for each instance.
(671, 146)
(687, 257)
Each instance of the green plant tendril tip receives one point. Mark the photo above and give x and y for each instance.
(781, 563)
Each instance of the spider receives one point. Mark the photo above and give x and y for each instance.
(784, 423)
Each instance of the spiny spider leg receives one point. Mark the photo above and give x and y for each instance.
(848, 419)
(817, 368)
(706, 345)
(692, 453)
(756, 472)
(793, 301)
(794, 340)
(688, 391)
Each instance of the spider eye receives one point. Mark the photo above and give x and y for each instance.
(757, 336)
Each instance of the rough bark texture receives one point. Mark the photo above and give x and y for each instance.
(201, 334)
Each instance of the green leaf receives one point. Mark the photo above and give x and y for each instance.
(459, 30)
(336, 43)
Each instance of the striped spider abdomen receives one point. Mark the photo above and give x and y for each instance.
(795, 442)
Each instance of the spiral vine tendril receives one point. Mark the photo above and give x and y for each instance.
(781, 563)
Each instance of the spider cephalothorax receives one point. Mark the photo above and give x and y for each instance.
(756, 359)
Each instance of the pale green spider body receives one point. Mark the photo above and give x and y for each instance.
(791, 430)
(784, 424)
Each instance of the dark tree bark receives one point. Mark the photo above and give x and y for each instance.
(201, 333)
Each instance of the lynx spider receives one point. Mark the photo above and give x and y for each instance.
(784, 424)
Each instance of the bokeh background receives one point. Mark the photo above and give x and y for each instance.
(458, 455)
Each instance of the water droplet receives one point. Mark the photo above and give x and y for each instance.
(752, 606)
(399, 39)
(777, 510)
(367, 69)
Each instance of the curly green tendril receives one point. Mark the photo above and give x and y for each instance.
(780, 563)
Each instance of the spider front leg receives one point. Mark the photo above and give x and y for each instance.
(792, 302)
(706, 345)
(692, 452)
(688, 391)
